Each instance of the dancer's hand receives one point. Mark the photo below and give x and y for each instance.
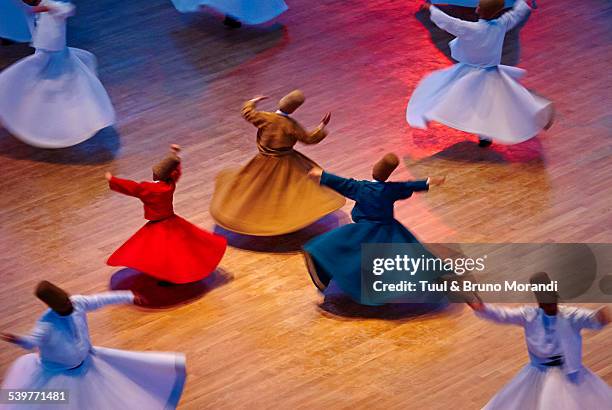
(140, 300)
(7, 337)
(603, 316)
(39, 9)
(175, 148)
(437, 180)
(325, 119)
(108, 176)
(315, 173)
(259, 98)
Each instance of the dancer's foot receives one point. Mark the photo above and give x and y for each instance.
(6, 41)
(553, 114)
(232, 22)
(165, 284)
(484, 142)
(320, 280)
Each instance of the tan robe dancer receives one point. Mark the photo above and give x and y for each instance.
(272, 194)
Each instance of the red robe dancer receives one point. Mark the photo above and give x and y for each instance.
(167, 247)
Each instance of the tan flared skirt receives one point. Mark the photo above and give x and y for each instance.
(271, 195)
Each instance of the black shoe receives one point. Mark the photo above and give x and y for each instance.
(484, 142)
(320, 280)
(553, 114)
(6, 41)
(165, 284)
(232, 22)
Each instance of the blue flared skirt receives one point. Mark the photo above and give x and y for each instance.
(337, 254)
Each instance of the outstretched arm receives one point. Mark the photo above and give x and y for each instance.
(60, 9)
(123, 186)
(347, 187)
(317, 135)
(404, 190)
(176, 174)
(454, 26)
(250, 113)
(588, 319)
(503, 315)
(30, 341)
(93, 302)
(512, 18)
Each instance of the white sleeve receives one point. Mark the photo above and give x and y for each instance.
(455, 26)
(36, 337)
(513, 17)
(503, 315)
(583, 318)
(61, 9)
(93, 302)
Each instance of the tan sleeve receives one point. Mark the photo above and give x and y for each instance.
(312, 137)
(250, 113)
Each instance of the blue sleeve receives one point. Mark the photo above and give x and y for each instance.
(347, 187)
(404, 190)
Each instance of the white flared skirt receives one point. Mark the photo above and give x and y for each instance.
(246, 11)
(54, 99)
(551, 389)
(108, 379)
(485, 101)
(15, 22)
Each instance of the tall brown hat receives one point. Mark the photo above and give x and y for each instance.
(55, 297)
(488, 9)
(163, 169)
(291, 102)
(384, 167)
(542, 278)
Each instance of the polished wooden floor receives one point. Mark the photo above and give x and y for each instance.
(258, 335)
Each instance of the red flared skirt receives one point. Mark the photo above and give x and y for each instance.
(172, 249)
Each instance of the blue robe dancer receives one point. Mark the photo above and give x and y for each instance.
(337, 254)
(92, 377)
(479, 95)
(16, 22)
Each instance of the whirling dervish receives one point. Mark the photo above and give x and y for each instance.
(53, 98)
(479, 95)
(237, 11)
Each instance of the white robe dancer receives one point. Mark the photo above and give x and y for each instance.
(478, 95)
(95, 378)
(542, 385)
(245, 11)
(16, 22)
(54, 99)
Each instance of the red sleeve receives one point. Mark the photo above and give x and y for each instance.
(176, 174)
(125, 186)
